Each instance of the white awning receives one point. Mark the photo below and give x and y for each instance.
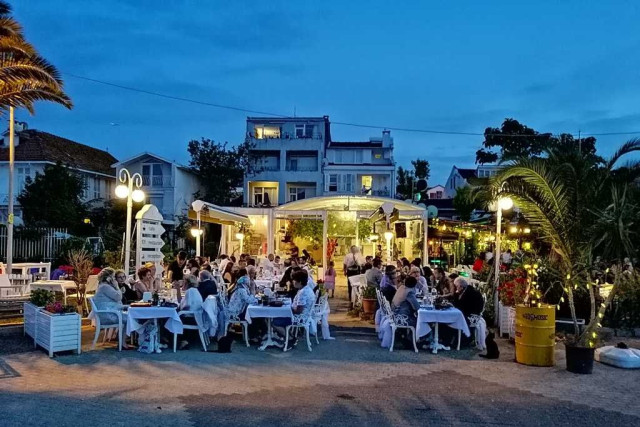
(215, 214)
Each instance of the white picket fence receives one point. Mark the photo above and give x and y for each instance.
(45, 247)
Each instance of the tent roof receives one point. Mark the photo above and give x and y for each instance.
(353, 203)
(215, 214)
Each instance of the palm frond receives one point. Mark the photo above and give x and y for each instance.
(24, 95)
(9, 27)
(29, 69)
(626, 148)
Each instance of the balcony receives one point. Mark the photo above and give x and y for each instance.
(156, 181)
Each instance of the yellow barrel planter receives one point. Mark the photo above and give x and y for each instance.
(535, 335)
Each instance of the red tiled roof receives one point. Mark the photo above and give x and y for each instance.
(38, 146)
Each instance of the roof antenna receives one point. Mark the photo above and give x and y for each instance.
(294, 111)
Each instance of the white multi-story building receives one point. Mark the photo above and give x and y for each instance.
(166, 184)
(35, 150)
(295, 159)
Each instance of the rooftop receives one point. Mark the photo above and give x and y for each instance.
(467, 173)
(38, 146)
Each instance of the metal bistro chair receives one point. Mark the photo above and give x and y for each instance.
(106, 326)
(299, 321)
(318, 311)
(397, 321)
(234, 320)
(203, 338)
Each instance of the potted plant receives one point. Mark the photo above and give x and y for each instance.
(82, 264)
(39, 298)
(511, 292)
(58, 328)
(369, 300)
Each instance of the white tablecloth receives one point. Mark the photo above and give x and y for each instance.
(134, 314)
(452, 317)
(268, 312)
(54, 285)
(264, 283)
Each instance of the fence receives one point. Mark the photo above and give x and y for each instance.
(42, 244)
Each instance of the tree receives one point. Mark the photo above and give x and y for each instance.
(421, 168)
(25, 77)
(54, 199)
(513, 140)
(465, 203)
(577, 205)
(220, 168)
(406, 179)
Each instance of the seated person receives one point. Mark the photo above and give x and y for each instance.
(144, 283)
(302, 302)
(389, 282)
(239, 274)
(129, 295)
(252, 272)
(227, 274)
(207, 285)
(421, 286)
(373, 276)
(109, 297)
(240, 299)
(467, 298)
(157, 281)
(442, 283)
(192, 301)
(405, 301)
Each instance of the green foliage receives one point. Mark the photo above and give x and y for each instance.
(54, 199)
(112, 259)
(465, 203)
(41, 297)
(71, 244)
(369, 292)
(220, 168)
(625, 310)
(365, 228)
(309, 229)
(421, 168)
(406, 179)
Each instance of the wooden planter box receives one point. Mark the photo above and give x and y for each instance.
(58, 332)
(507, 319)
(30, 316)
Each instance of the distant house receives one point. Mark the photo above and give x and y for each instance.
(167, 185)
(436, 192)
(34, 150)
(459, 177)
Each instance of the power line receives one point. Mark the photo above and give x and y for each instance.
(360, 125)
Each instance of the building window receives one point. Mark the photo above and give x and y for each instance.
(267, 132)
(300, 193)
(304, 131)
(152, 174)
(333, 182)
(348, 183)
(97, 188)
(24, 176)
(265, 196)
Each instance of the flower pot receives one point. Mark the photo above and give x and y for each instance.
(579, 359)
(369, 305)
(30, 311)
(58, 332)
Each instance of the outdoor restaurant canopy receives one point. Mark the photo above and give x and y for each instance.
(208, 212)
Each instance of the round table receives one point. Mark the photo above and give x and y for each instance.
(267, 312)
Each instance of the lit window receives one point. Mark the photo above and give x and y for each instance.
(267, 132)
(265, 196)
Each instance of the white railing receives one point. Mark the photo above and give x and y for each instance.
(44, 246)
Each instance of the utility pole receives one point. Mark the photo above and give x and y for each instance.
(579, 142)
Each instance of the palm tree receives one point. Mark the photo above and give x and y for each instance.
(25, 78)
(565, 196)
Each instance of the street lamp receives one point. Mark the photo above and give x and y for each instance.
(126, 190)
(197, 232)
(504, 203)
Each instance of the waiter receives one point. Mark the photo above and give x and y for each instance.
(351, 266)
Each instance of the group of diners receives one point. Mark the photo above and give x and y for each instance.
(193, 281)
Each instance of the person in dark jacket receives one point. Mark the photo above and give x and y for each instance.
(467, 298)
(206, 284)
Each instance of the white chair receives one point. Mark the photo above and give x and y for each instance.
(357, 284)
(397, 321)
(100, 325)
(234, 320)
(299, 321)
(203, 339)
(318, 312)
(90, 288)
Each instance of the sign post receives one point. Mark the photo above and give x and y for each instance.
(148, 237)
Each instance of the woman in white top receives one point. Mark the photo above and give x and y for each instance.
(192, 301)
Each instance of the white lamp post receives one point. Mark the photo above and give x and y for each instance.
(197, 232)
(504, 203)
(388, 235)
(12, 151)
(240, 236)
(126, 190)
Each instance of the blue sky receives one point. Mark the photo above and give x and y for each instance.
(557, 66)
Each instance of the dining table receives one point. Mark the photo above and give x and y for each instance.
(268, 312)
(450, 316)
(137, 314)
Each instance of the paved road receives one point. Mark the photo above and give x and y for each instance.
(344, 382)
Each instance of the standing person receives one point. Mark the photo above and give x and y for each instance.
(224, 259)
(351, 266)
(330, 278)
(175, 271)
(227, 274)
